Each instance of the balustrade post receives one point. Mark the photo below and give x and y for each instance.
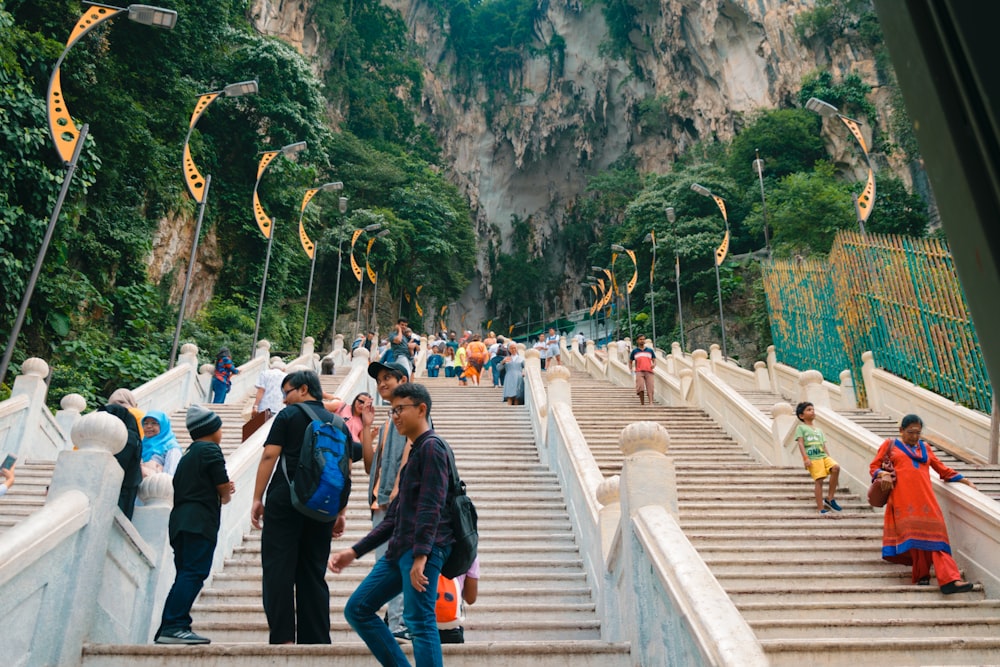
(872, 395)
(760, 374)
(609, 523)
(772, 362)
(715, 354)
(783, 426)
(152, 520)
(263, 349)
(813, 388)
(848, 397)
(25, 437)
(93, 471)
(648, 476)
(308, 347)
(72, 406)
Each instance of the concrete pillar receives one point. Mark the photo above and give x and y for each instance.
(783, 426)
(360, 357)
(338, 343)
(532, 358)
(308, 347)
(611, 510)
(848, 398)
(715, 353)
(813, 388)
(72, 406)
(559, 387)
(24, 438)
(648, 476)
(188, 355)
(687, 381)
(93, 471)
(874, 399)
(772, 361)
(700, 359)
(151, 519)
(263, 349)
(761, 376)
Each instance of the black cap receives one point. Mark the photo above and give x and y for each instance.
(399, 370)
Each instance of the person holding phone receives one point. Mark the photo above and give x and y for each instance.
(7, 471)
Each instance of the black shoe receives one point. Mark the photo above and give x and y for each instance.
(181, 637)
(402, 636)
(452, 636)
(959, 586)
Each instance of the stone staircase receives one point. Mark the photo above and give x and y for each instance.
(985, 477)
(813, 588)
(535, 606)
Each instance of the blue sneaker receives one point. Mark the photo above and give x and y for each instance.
(833, 504)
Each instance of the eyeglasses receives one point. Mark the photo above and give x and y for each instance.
(286, 392)
(398, 410)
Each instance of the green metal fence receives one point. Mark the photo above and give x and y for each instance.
(898, 297)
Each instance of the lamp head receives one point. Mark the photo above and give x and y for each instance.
(647, 238)
(671, 215)
(240, 88)
(291, 151)
(382, 233)
(758, 167)
(617, 248)
(343, 204)
(373, 227)
(327, 187)
(701, 189)
(599, 269)
(154, 16)
(824, 109)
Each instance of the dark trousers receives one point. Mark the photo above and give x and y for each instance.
(294, 553)
(193, 562)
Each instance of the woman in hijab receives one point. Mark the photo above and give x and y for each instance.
(160, 450)
(126, 399)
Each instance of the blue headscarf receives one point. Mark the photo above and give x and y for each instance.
(158, 444)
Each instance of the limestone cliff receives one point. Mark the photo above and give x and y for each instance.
(709, 63)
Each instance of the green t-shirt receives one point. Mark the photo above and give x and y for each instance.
(814, 441)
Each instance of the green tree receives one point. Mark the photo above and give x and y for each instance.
(789, 140)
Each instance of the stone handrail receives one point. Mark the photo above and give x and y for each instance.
(534, 393)
(647, 576)
(945, 422)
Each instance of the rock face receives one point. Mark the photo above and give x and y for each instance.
(706, 63)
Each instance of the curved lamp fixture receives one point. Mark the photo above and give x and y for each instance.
(64, 131)
(307, 243)
(720, 256)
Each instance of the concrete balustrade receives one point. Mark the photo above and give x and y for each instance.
(27, 428)
(534, 393)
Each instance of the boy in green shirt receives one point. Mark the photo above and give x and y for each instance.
(812, 446)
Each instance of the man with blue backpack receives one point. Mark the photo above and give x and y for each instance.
(305, 469)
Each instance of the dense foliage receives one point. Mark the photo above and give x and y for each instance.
(95, 314)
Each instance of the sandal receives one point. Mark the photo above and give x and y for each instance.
(924, 581)
(957, 587)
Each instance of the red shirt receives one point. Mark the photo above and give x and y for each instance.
(643, 359)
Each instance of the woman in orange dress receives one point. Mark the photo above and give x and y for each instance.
(914, 532)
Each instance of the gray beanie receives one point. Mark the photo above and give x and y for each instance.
(201, 422)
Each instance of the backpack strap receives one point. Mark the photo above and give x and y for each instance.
(312, 417)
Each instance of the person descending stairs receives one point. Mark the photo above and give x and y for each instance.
(813, 588)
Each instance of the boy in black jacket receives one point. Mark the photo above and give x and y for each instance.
(201, 487)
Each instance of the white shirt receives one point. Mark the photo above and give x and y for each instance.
(270, 382)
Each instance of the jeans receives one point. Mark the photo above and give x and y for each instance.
(193, 562)
(394, 612)
(384, 582)
(217, 392)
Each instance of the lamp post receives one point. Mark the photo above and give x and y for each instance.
(381, 234)
(309, 246)
(342, 204)
(864, 202)
(720, 256)
(758, 166)
(607, 295)
(358, 272)
(651, 238)
(630, 285)
(291, 152)
(69, 140)
(197, 186)
(592, 284)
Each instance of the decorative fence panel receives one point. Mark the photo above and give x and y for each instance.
(896, 296)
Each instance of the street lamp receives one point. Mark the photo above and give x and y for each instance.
(198, 186)
(758, 166)
(291, 152)
(308, 245)
(866, 200)
(592, 284)
(381, 234)
(358, 272)
(720, 256)
(630, 285)
(342, 205)
(607, 296)
(69, 140)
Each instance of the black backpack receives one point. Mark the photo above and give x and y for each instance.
(464, 524)
(322, 481)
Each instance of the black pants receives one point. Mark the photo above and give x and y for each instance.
(193, 562)
(294, 553)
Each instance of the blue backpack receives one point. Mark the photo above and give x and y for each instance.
(322, 480)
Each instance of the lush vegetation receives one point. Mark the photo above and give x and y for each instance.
(95, 314)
